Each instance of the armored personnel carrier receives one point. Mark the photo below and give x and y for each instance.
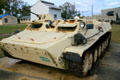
(74, 45)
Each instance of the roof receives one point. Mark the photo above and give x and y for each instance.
(46, 2)
(49, 4)
(2, 16)
(55, 7)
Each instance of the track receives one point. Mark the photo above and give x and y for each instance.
(108, 69)
(90, 57)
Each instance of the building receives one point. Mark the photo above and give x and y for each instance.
(7, 19)
(25, 20)
(44, 7)
(114, 14)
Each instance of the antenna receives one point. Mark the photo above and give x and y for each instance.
(74, 3)
(74, 8)
(92, 8)
(92, 11)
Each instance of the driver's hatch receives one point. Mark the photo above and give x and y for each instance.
(67, 27)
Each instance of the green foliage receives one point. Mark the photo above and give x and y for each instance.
(78, 14)
(69, 11)
(2, 6)
(1, 54)
(25, 11)
(14, 7)
(64, 14)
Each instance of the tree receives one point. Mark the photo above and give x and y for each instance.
(69, 11)
(2, 6)
(64, 14)
(14, 7)
(25, 10)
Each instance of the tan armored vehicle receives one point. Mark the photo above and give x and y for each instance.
(74, 45)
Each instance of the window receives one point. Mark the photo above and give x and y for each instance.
(55, 16)
(6, 20)
(110, 13)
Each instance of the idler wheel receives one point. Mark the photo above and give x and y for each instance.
(87, 63)
(96, 55)
(103, 47)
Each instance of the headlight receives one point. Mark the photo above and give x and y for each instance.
(82, 24)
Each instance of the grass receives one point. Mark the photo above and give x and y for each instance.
(6, 29)
(116, 33)
(11, 28)
(1, 54)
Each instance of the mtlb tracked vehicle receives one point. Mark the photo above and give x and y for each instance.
(73, 45)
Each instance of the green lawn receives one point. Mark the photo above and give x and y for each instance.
(116, 33)
(11, 28)
(1, 54)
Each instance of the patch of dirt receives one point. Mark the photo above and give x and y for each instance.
(6, 35)
(108, 69)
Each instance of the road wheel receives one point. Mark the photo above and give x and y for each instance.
(109, 39)
(87, 63)
(103, 47)
(95, 55)
(106, 42)
(100, 51)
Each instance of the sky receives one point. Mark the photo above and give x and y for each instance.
(85, 6)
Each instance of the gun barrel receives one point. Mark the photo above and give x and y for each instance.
(35, 14)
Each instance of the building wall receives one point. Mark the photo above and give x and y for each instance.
(115, 10)
(105, 17)
(54, 12)
(24, 21)
(38, 8)
(9, 20)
